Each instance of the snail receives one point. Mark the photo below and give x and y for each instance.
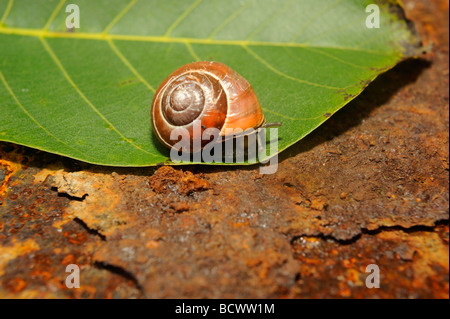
(209, 92)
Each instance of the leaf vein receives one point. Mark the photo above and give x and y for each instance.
(72, 83)
(129, 65)
(275, 70)
(54, 13)
(162, 39)
(230, 18)
(7, 11)
(120, 15)
(333, 31)
(314, 18)
(192, 52)
(16, 99)
(268, 21)
(182, 17)
(318, 51)
(290, 117)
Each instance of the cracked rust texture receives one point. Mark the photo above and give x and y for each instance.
(370, 186)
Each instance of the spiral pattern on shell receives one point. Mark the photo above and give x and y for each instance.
(187, 96)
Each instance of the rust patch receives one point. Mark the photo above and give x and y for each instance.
(412, 265)
(168, 179)
(34, 252)
(15, 250)
(96, 199)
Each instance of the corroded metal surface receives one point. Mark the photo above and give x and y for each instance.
(38, 238)
(368, 187)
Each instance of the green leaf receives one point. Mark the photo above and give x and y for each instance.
(87, 94)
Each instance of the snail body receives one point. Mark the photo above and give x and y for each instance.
(209, 92)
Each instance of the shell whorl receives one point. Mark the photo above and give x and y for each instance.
(189, 95)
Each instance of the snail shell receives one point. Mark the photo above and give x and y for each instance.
(207, 91)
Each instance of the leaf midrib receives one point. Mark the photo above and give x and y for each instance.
(42, 33)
